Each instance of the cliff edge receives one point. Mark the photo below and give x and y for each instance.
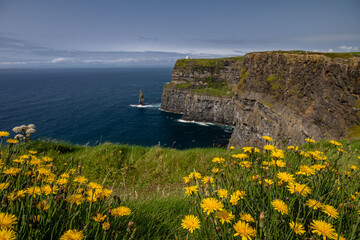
(287, 95)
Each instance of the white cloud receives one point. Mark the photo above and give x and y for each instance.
(331, 50)
(58, 60)
(348, 49)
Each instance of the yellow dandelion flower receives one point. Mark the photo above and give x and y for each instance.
(7, 234)
(240, 194)
(246, 217)
(80, 179)
(106, 226)
(298, 228)
(240, 156)
(314, 204)
(280, 206)
(12, 141)
(105, 193)
(93, 185)
(250, 149)
(215, 170)
(7, 220)
(269, 147)
(268, 182)
(218, 160)
(277, 153)
(318, 167)
(35, 161)
(280, 163)
(4, 134)
(207, 179)
(232, 148)
(306, 170)
(285, 177)
(44, 171)
(244, 230)
(192, 189)
(99, 217)
(43, 205)
(72, 234)
(245, 164)
(330, 210)
(335, 143)
(310, 140)
(190, 222)
(3, 186)
(353, 167)
(47, 189)
(323, 228)
(47, 159)
(186, 180)
(65, 175)
(222, 193)
(210, 205)
(20, 160)
(224, 216)
(299, 188)
(267, 138)
(12, 171)
(120, 211)
(32, 152)
(76, 198)
(35, 190)
(234, 199)
(62, 181)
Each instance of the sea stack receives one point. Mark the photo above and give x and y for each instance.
(141, 98)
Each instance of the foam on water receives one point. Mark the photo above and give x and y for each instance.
(156, 105)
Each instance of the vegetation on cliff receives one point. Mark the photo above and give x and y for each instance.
(132, 192)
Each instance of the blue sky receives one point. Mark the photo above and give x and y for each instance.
(152, 32)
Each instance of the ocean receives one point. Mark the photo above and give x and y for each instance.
(93, 106)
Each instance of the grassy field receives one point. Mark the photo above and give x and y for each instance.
(151, 182)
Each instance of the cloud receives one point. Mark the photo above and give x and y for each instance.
(331, 50)
(59, 60)
(348, 49)
(147, 39)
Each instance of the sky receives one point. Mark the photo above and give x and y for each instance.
(88, 33)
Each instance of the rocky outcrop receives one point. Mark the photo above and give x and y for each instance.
(141, 98)
(287, 95)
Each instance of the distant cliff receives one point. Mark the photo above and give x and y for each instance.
(287, 95)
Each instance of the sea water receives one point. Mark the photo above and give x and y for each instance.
(93, 106)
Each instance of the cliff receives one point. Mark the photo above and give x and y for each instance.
(287, 95)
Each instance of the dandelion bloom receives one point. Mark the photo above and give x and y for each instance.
(80, 179)
(335, 143)
(268, 182)
(190, 222)
(314, 204)
(187, 180)
(298, 228)
(323, 228)
(210, 205)
(215, 170)
(121, 211)
(47, 159)
(306, 170)
(222, 193)
(246, 217)
(234, 199)
(353, 167)
(285, 177)
(93, 185)
(35, 190)
(207, 179)
(7, 220)
(12, 171)
(190, 190)
(250, 149)
(244, 230)
(7, 234)
(76, 198)
(269, 147)
(99, 217)
(318, 167)
(106, 226)
(280, 206)
(62, 181)
(218, 160)
(240, 194)
(267, 138)
(72, 235)
(310, 140)
(330, 210)
(224, 216)
(35, 161)
(47, 189)
(12, 141)
(44, 171)
(240, 156)
(277, 153)
(3, 186)
(299, 188)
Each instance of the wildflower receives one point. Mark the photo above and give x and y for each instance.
(35, 161)
(106, 226)
(47, 189)
(250, 149)
(72, 235)
(186, 180)
(318, 167)
(280, 206)
(121, 211)
(335, 143)
(7, 220)
(93, 185)
(222, 193)
(330, 210)
(215, 170)
(12, 141)
(99, 218)
(47, 159)
(190, 190)
(76, 198)
(65, 175)
(306, 170)
(32, 152)
(280, 163)
(277, 153)
(245, 164)
(12, 171)
(44, 171)
(105, 193)
(234, 199)
(244, 230)
(232, 148)
(210, 205)
(3, 186)
(299, 188)
(323, 228)
(93, 195)
(224, 216)
(267, 138)
(310, 140)
(297, 227)
(191, 223)
(240, 194)
(35, 190)
(268, 182)
(7, 234)
(285, 177)
(218, 160)
(240, 156)
(353, 167)
(207, 180)
(293, 148)
(246, 217)
(314, 204)
(269, 147)
(4, 134)
(62, 181)
(43, 205)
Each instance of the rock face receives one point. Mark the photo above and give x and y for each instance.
(141, 98)
(287, 95)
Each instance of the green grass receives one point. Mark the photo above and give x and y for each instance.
(205, 63)
(220, 92)
(345, 55)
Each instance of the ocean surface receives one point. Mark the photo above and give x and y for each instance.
(93, 106)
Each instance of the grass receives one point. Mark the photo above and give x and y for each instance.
(149, 180)
(196, 64)
(219, 92)
(345, 55)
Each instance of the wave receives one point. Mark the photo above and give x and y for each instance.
(195, 122)
(156, 105)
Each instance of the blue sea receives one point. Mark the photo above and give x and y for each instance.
(93, 106)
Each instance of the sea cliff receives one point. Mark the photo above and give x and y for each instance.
(287, 95)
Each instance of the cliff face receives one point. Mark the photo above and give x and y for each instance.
(287, 95)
